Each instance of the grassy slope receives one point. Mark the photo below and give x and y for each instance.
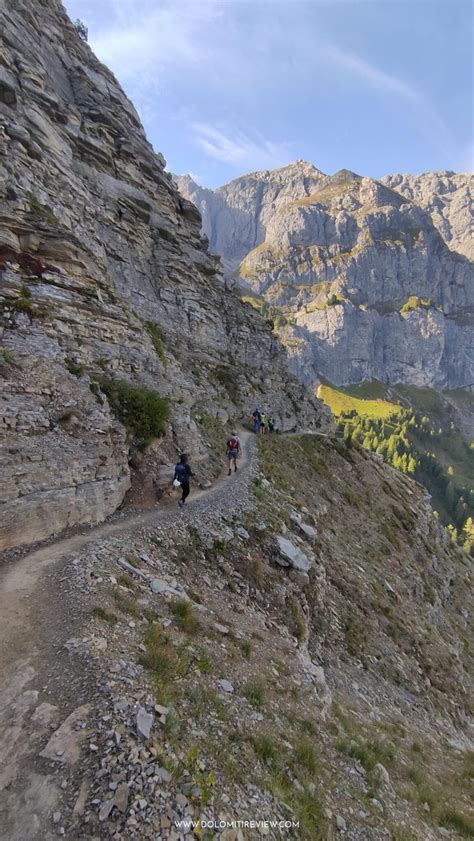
(376, 401)
(341, 401)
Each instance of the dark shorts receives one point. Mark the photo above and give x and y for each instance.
(232, 454)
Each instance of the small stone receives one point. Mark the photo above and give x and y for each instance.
(221, 629)
(243, 533)
(381, 774)
(121, 797)
(93, 747)
(340, 823)
(163, 774)
(226, 686)
(144, 723)
(106, 809)
(308, 530)
(56, 817)
(292, 555)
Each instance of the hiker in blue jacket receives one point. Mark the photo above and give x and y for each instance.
(182, 474)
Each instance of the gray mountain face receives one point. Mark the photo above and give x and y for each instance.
(235, 217)
(104, 274)
(447, 196)
(359, 280)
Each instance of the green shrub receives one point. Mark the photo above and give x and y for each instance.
(142, 411)
(25, 305)
(74, 367)
(6, 356)
(157, 340)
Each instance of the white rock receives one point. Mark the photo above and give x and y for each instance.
(340, 823)
(292, 554)
(144, 723)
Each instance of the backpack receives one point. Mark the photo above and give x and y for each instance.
(180, 472)
(233, 443)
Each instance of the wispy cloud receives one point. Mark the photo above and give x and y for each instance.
(240, 150)
(361, 69)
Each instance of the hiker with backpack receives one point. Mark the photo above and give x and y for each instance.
(271, 424)
(256, 421)
(182, 475)
(263, 422)
(233, 451)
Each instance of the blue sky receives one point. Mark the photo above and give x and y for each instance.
(225, 87)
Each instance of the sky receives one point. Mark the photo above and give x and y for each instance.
(225, 87)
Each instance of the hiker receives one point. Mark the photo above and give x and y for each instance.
(233, 450)
(256, 421)
(263, 422)
(182, 474)
(271, 424)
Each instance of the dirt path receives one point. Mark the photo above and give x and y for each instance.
(40, 682)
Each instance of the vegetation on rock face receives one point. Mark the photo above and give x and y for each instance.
(414, 303)
(143, 412)
(41, 212)
(157, 339)
(425, 444)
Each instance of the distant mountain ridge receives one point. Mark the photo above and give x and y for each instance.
(356, 275)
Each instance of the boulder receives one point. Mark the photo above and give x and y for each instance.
(292, 555)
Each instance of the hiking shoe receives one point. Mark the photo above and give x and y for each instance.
(230, 471)
(180, 503)
(235, 468)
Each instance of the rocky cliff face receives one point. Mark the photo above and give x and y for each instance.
(362, 285)
(235, 217)
(103, 272)
(447, 196)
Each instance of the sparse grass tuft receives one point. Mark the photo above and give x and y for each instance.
(305, 756)
(125, 604)
(185, 617)
(254, 691)
(126, 580)
(463, 824)
(246, 648)
(298, 626)
(103, 613)
(265, 747)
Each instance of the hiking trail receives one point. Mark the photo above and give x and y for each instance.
(39, 612)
